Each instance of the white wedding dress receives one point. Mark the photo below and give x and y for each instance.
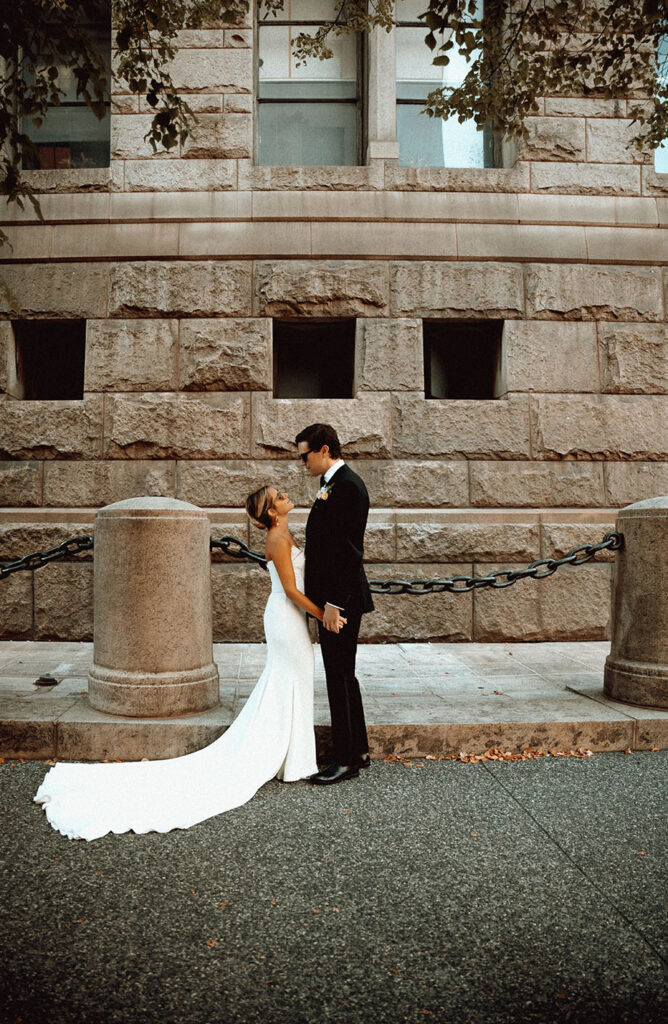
(272, 736)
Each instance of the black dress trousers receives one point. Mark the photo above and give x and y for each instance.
(335, 574)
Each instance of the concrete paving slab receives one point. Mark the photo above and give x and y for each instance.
(419, 699)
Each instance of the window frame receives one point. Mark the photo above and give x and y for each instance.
(360, 100)
(489, 143)
(75, 105)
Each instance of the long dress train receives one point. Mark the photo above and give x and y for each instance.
(272, 736)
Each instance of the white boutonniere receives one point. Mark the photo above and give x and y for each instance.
(323, 493)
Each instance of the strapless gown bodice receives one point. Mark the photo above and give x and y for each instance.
(272, 736)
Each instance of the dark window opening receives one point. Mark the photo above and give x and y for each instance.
(462, 360)
(314, 359)
(50, 358)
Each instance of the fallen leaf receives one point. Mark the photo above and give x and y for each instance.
(654, 748)
(315, 911)
(484, 694)
(211, 942)
(474, 833)
(640, 853)
(273, 902)
(222, 904)
(499, 693)
(628, 750)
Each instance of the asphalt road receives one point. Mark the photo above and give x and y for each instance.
(468, 894)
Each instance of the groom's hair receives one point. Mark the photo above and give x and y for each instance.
(319, 434)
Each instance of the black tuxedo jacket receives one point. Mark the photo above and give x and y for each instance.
(335, 545)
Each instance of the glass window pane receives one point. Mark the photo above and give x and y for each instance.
(308, 91)
(307, 134)
(71, 137)
(661, 158)
(277, 61)
(431, 142)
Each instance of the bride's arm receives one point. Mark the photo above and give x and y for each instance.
(279, 550)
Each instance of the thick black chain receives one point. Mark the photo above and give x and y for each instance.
(454, 584)
(236, 548)
(72, 546)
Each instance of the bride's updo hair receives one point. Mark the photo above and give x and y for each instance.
(257, 507)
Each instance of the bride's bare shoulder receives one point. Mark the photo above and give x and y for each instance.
(276, 544)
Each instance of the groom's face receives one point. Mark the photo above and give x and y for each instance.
(315, 462)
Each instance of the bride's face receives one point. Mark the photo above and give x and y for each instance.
(280, 501)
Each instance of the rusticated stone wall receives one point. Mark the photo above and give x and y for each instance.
(178, 262)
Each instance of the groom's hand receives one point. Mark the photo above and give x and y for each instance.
(332, 619)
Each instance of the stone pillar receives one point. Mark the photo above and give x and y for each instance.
(636, 670)
(153, 649)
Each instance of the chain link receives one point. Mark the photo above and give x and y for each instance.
(236, 548)
(37, 559)
(500, 579)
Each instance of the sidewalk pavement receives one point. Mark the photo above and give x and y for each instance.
(420, 699)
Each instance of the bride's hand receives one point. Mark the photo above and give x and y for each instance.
(332, 619)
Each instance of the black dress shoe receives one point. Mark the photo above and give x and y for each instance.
(334, 773)
(364, 761)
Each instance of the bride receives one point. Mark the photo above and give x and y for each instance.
(272, 736)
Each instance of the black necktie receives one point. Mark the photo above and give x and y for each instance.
(322, 481)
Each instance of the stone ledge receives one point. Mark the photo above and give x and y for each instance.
(73, 730)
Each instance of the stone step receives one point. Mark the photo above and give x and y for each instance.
(420, 700)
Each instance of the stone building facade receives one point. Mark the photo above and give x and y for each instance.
(176, 268)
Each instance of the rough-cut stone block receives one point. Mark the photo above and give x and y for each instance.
(252, 178)
(203, 288)
(585, 106)
(226, 355)
(388, 355)
(16, 607)
(158, 426)
(543, 355)
(421, 483)
(320, 288)
(586, 179)
(91, 484)
(237, 103)
(424, 539)
(227, 484)
(20, 483)
(594, 292)
(128, 139)
(220, 137)
(462, 428)
(469, 290)
(600, 426)
(554, 138)
(573, 604)
(607, 141)
(626, 482)
(634, 358)
(205, 70)
(17, 539)
(180, 176)
(55, 290)
(64, 602)
(131, 355)
(439, 617)
(363, 424)
(239, 594)
(557, 539)
(75, 179)
(458, 179)
(47, 430)
(536, 484)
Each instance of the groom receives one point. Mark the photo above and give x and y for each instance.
(335, 579)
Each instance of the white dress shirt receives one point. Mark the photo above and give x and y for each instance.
(328, 476)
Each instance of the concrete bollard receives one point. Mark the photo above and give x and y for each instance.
(636, 670)
(153, 648)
